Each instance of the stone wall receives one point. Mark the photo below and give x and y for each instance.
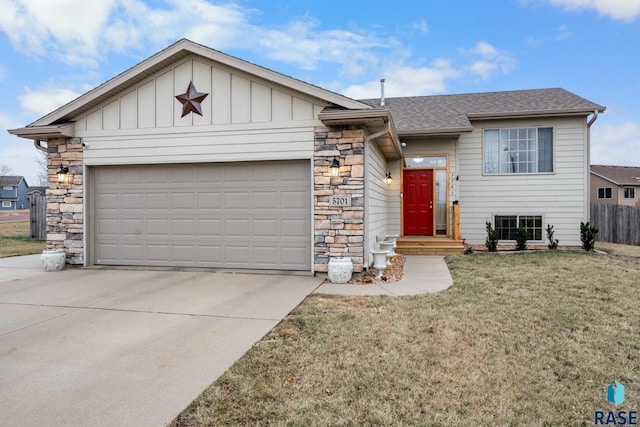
(64, 201)
(339, 231)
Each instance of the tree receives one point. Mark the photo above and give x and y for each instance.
(5, 170)
(43, 174)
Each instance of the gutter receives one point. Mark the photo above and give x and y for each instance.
(588, 177)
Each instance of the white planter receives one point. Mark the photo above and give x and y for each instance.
(379, 261)
(388, 248)
(53, 259)
(340, 270)
(392, 238)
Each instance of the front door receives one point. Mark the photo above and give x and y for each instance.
(417, 202)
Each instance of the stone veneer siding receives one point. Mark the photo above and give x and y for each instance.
(65, 216)
(339, 231)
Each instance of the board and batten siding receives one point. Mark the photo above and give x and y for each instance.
(244, 118)
(559, 197)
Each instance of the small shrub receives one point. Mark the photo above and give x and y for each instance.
(553, 243)
(521, 239)
(588, 236)
(492, 238)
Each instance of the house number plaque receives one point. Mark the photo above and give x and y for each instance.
(340, 200)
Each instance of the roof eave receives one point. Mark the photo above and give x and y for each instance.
(179, 50)
(43, 133)
(435, 131)
(534, 113)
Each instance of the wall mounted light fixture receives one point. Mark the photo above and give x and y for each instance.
(335, 167)
(63, 173)
(387, 179)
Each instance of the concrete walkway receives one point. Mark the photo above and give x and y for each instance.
(105, 347)
(422, 274)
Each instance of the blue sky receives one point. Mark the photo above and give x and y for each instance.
(55, 50)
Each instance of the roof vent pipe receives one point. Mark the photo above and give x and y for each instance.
(382, 92)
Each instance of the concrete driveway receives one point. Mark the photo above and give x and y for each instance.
(125, 347)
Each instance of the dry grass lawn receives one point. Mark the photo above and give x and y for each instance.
(15, 239)
(520, 339)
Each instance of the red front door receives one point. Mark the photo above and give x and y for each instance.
(417, 202)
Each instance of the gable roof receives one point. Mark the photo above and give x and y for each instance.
(53, 123)
(619, 175)
(11, 180)
(454, 113)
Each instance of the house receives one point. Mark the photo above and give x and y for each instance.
(194, 158)
(13, 193)
(615, 184)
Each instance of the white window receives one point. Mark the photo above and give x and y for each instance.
(506, 226)
(629, 193)
(604, 193)
(518, 150)
(7, 187)
(6, 204)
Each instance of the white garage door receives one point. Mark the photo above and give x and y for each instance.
(254, 215)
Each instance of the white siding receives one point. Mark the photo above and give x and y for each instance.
(376, 200)
(243, 118)
(560, 198)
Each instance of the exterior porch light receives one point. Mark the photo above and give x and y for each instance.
(387, 179)
(335, 167)
(62, 173)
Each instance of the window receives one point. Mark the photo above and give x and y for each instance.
(506, 226)
(604, 193)
(518, 150)
(629, 193)
(6, 204)
(7, 187)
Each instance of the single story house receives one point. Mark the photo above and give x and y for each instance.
(618, 185)
(14, 193)
(194, 158)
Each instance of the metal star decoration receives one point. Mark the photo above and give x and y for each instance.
(191, 100)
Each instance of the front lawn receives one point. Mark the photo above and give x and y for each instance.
(15, 239)
(520, 339)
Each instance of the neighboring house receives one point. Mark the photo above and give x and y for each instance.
(615, 184)
(14, 193)
(194, 158)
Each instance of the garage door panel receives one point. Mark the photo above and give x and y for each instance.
(233, 215)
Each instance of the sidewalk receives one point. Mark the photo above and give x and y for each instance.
(422, 274)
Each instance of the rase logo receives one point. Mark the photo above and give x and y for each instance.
(615, 395)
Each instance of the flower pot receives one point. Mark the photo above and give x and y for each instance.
(388, 248)
(340, 270)
(392, 238)
(379, 261)
(53, 259)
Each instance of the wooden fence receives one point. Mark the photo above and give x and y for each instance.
(616, 223)
(38, 217)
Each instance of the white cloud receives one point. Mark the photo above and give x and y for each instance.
(44, 100)
(616, 144)
(408, 81)
(19, 154)
(625, 10)
(486, 60)
(421, 26)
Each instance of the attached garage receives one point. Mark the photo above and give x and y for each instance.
(244, 215)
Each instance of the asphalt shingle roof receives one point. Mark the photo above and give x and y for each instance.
(11, 180)
(622, 175)
(453, 112)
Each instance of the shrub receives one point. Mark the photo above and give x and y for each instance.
(492, 238)
(588, 236)
(521, 239)
(553, 243)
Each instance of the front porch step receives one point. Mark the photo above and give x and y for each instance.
(419, 245)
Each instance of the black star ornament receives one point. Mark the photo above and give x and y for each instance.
(191, 100)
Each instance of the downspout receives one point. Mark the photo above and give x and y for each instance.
(365, 243)
(588, 177)
(36, 144)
